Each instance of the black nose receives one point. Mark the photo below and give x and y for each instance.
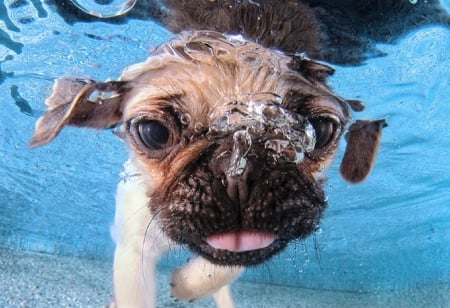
(239, 173)
(236, 168)
(238, 185)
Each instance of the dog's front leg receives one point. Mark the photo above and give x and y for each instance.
(199, 278)
(223, 297)
(134, 279)
(139, 244)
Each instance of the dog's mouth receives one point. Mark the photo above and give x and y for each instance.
(241, 241)
(243, 248)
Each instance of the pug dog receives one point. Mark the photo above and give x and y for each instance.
(229, 145)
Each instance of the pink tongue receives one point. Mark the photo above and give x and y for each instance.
(241, 241)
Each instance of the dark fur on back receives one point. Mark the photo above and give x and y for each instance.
(281, 24)
(342, 32)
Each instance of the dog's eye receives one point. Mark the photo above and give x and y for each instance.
(153, 134)
(324, 129)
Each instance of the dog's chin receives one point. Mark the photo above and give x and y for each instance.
(240, 248)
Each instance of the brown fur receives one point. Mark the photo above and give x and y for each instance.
(363, 138)
(298, 29)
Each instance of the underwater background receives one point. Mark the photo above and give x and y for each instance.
(388, 235)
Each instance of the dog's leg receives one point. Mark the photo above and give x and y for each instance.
(223, 297)
(140, 243)
(200, 277)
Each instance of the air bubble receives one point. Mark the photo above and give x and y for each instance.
(236, 40)
(105, 8)
(185, 119)
(238, 160)
(262, 119)
(99, 97)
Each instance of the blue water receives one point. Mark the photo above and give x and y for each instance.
(391, 232)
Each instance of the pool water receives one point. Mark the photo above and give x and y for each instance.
(386, 241)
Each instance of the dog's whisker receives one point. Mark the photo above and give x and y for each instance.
(155, 238)
(317, 249)
(298, 251)
(153, 219)
(267, 267)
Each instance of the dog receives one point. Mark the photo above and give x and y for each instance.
(229, 144)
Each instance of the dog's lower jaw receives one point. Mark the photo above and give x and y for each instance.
(246, 258)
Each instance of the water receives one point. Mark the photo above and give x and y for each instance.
(389, 233)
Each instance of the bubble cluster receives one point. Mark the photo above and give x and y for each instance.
(261, 119)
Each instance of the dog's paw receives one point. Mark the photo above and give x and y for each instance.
(199, 278)
(183, 288)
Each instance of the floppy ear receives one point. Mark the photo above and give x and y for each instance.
(82, 103)
(363, 139)
(355, 104)
(314, 71)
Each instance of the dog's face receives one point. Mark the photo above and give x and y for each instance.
(232, 138)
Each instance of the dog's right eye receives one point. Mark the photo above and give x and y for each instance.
(153, 134)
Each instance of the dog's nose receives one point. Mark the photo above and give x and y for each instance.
(239, 167)
(238, 186)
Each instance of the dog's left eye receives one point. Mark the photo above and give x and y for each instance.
(324, 129)
(153, 134)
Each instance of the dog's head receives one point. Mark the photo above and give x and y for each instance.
(232, 138)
